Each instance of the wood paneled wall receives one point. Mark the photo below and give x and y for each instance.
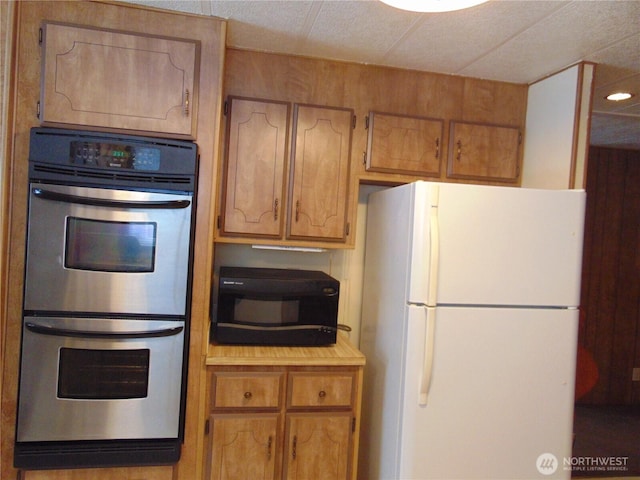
(610, 312)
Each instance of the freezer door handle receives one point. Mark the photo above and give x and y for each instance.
(434, 245)
(427, 365)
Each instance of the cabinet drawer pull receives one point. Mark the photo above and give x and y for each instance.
(322, 394)
(269, 447)
(437, 148)
(459, 150)
(248, 395)
(186, 103)
(297, 209)
(275, 209)
(295, 445)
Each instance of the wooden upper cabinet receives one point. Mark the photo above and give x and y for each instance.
(404, 144)
(484, 152)
(320, 172)
(117, 80)
(253, 183)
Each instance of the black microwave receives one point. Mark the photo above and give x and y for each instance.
(271, 306)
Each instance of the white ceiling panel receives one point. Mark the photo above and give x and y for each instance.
(565, 37)
(457, 39)
(355, 31)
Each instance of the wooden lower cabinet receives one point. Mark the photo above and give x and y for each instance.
(243, 446)
(318, 446)
(114, 473)
(284, 420)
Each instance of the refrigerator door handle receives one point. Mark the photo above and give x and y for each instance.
(434, 261)
(427, 365)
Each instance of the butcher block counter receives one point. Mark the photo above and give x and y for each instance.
(341, 354)
(293, 412)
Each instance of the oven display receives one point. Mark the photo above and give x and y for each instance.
(114, 155)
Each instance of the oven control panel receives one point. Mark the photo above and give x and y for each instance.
(77, 157)
(115, 155)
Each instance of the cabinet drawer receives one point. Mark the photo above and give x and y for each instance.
(320, 389)
(241, 390)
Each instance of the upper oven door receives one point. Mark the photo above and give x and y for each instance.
(107, 251)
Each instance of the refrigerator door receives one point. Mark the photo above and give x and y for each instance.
(501, 395)
(494, 245)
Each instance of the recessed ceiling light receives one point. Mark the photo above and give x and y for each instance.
(618, 96)
(433, 5)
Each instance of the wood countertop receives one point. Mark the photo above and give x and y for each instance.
(343, 353)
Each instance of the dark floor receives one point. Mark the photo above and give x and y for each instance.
(607, 441)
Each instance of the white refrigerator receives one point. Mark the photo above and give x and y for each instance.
(469, 326)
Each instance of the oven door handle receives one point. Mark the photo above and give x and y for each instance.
(100, 202)
(65, 332)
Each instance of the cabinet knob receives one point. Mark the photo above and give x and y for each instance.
(322, 394)
(248, 395)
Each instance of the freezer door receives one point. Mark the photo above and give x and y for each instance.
(501, 395)
(497, 245)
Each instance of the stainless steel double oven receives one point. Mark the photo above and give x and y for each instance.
(106, 300)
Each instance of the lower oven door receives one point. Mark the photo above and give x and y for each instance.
(100, 379)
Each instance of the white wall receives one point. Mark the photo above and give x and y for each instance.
(549, 137)
(344, 265)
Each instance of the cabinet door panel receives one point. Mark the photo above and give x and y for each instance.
(118, 80)
(254, 176)
(320, 174)
(484, 152)
(318, 446)
(401, 144)
(244, 446)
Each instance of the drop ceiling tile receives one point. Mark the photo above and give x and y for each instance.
(358, 31)
(263, 25)
(618, 131)
(194, 7)
(569, 35)
(448, 42)
(624, 56)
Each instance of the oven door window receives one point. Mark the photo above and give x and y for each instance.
(266, 312)
(110, 246)
(103, 374)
